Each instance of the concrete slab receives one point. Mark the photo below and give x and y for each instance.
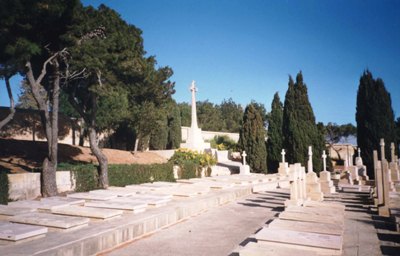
(112, 192)
(317, 211)
(310, 217)
(259, 249)
(9, 210)
(50, 220)
(70, 201)
(320, 243)
(309, 203)
(139, 189)
(150, 201)
(135, 207)
(14, 232)
(154, 194)
(91, 196)
(81, 211)
(312, 227)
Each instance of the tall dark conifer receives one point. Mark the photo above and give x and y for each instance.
(275, 135)
(252, 139)
(375, 118)
(299, 127)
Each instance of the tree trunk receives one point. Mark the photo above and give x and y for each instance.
(12, 107)
(101, 158)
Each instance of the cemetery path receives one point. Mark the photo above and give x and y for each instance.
(216, 232)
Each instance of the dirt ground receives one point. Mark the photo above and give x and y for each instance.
(22, 155)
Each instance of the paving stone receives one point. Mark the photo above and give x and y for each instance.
(87, 212)
(50, 220)
(321, 228)
(9, 210)
(14, 231)
(127, 206)
(321, 243)
(91, 196)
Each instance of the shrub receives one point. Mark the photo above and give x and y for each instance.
(184, 155)
(3, 186)
(86, 175)
(223, 142)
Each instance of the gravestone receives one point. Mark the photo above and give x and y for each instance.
(81, 211)
(314, 191)
(15, 232)
(298, 193)
(327, 186)
(394, 167)
(244, 169)
(383, 197)
(283, 166)
(50, 220)
(312, 227)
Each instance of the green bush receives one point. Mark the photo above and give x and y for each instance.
(119, 175)
(223, 142)
(189, 170)
(3, 186)
(184, 155)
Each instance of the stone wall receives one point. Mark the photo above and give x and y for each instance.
(209, 135)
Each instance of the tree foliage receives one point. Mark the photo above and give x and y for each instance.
(252, 139)
(374, 116)
(275, 135)
(299, 127)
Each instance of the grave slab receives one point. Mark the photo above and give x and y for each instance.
(317, 211)
(312, 227)
(151, 201)
(259, 249)
(50, 220)
(309, 217)
(321, 243)
(91, 196)
(112, 192)
(309, 203)
(40, 205)
(9, 210)
(127, 206)
(14, 231)
(70, 201)
(87, 212)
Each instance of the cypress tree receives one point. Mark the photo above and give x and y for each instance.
(174, 128)
(299, 127)
(375, 118)
(252, 139)
(275, 135)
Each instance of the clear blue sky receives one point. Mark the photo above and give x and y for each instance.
(245, 50)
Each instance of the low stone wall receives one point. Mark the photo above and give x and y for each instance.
(24, 186)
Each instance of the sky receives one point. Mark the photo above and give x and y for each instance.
(246, 49)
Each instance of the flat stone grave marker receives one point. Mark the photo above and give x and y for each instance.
(139, 189)
(215, 184)
(14, 231)
(310, 217)
(81, 211)
(191, 181)
(318, 211)
(112, 192)
(321, 243)
(155, 194)
(50, 220)
(70, 201)
(40, 205)
(135, 207)
(309, 203)
(9, 210)
(91, 196)
(320, 228)
(180, 192)
(155, 186)
(151, 201)
(259, 249)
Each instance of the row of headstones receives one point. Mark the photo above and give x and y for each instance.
(387, 176)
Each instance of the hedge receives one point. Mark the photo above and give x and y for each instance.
(3, 186)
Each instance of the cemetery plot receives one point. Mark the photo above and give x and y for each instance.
(81, 211)
(50, 220)
(150, 201)
(15, 232)
(317, 211)
(133, 206)
(9, 210)
(70, 201)
(91, 196)
(310, 217)
(312, 227)
(112, 192)
(46, 205)
(259, 249)
(321, 243)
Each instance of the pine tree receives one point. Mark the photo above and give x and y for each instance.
(252, 139)
(299, 127)
(275, 135)
(375, 118)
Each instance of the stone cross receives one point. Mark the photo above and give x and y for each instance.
(359, 152)
(310, 163)
(382, 144)
(244, 157)
(324, 160)
(283, 153)
(309, 151)
(193, 89)
(392, 155)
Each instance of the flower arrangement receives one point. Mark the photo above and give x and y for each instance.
(183, 155)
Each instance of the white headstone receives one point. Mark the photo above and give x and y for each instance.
(310, 163)
(244, 157)
(283, 153)
(324, 160)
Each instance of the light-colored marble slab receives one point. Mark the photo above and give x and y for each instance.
(9, 210)
(259, 249)
(87, 212)
(151, 201)
(69, 200)
(309, 203)
(313, 227)
(50, 220)
(317, 211)
(321, 243)
(40, 205)
(310, 217)
(127, 206)
(112, 192)
(14, 231)
(91, 196)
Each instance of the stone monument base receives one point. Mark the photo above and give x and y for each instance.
(283, 169)
(245, 170)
